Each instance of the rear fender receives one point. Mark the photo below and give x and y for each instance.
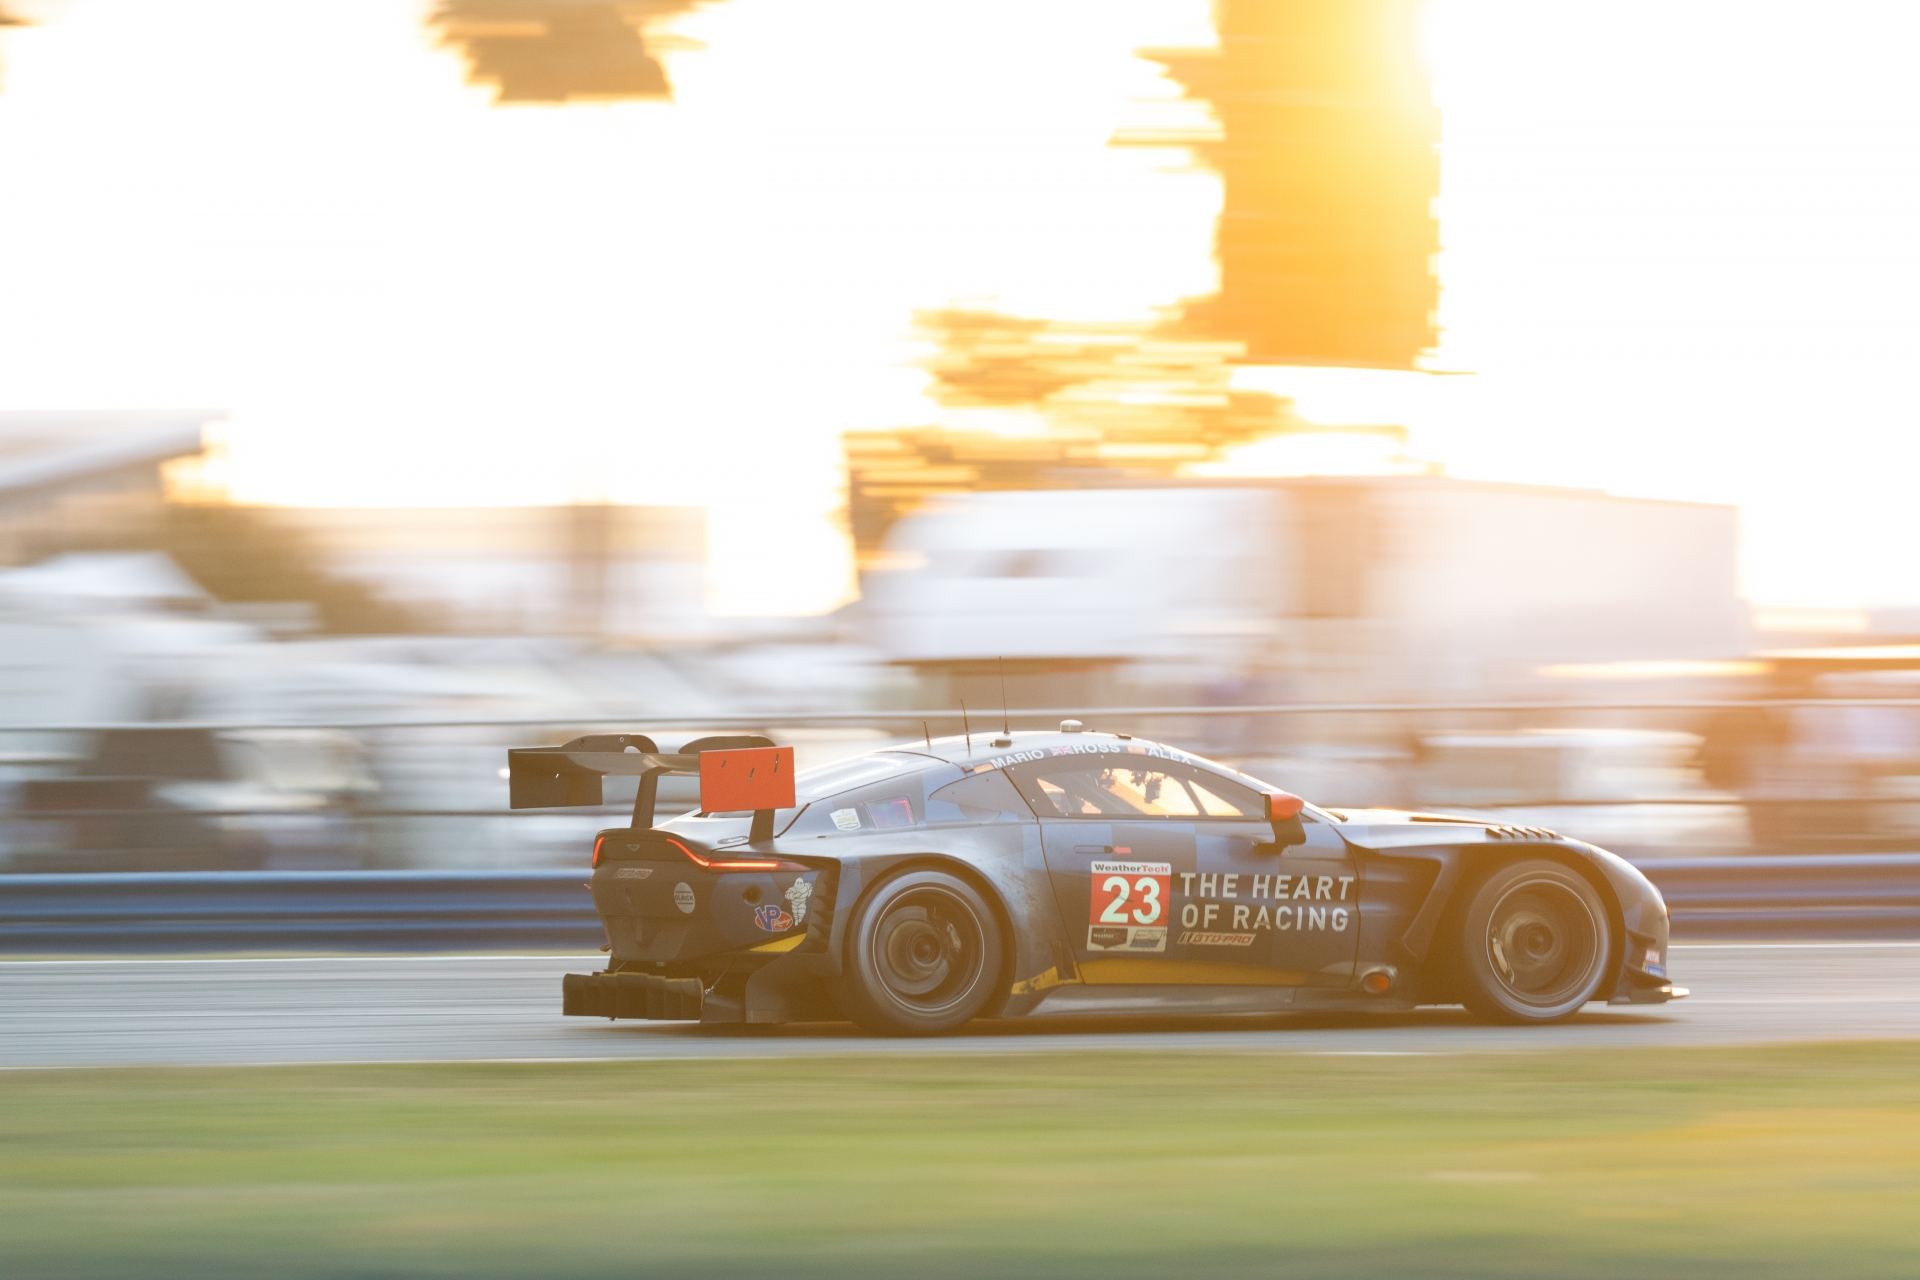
(1021, 949)
(796, 986)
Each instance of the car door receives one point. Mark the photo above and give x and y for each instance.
(1164, 872)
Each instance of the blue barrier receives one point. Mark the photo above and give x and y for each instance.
(154, 913)
(383, 911)
(1810, 897)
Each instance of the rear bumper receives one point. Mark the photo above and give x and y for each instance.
(631, 995)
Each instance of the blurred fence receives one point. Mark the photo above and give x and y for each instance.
(433, 798)
(267, 911)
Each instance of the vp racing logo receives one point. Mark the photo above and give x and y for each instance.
(773, 919)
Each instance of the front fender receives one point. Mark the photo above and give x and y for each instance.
(1639, 912)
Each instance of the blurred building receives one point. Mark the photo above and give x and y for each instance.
(1327, 589)
(71, 477)
(587, 569)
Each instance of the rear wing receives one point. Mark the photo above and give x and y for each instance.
(735, 772)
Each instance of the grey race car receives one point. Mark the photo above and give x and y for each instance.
(915, 888)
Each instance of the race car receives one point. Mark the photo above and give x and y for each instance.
(915, 888)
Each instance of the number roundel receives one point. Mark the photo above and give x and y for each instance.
(1127, 911)
(1128, 893)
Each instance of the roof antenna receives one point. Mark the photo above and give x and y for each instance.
(1006, 724)
(928, 733)
(965, 727)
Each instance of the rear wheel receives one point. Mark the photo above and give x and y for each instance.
(1534, 944)
(923, 953)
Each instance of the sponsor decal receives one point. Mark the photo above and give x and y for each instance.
(632, 873)
(772, 919)
(1653, 964)
(1099, 748)
(847, 819)
(1132, 937)
(1195, 938)
(1017, 757)
(1239, 903)
(1241, 918)
(797, 894)
(683, 897)
(1127, 909)
(1231, 886)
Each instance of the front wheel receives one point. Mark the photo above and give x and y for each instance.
(923, 953)
(1534, 944)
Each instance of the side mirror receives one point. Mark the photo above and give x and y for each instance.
(1283, 815)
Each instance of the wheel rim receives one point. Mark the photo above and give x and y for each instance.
(928, 950)
(1543, 943)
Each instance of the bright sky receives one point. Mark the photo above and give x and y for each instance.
(1679, 253)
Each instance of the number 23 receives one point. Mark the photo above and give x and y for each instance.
(1116, 911)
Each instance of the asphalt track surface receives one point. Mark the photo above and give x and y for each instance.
(76, 1013)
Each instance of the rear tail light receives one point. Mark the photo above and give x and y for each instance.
(718, 866)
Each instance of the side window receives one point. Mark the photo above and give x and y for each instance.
(1093, 786)
(980, 797)
(1224, 798)
(878, 806)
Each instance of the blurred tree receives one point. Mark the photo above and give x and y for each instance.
(1119, 401)
(1327, 146)
(1136, 390)
(1325, 137)
(559, 50)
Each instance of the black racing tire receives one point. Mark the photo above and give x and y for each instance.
(923, 955)
(1534, 944)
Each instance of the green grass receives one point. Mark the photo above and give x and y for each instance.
(1694, 1163)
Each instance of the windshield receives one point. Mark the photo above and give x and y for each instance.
(1312, 812)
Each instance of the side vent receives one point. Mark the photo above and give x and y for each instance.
(820, 910)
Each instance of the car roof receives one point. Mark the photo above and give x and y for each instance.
(995, 746)
(986, 750)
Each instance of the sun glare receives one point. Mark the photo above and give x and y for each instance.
(1676, 253)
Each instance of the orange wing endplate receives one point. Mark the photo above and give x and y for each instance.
(752, 778)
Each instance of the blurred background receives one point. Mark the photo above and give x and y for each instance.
(1475, 406)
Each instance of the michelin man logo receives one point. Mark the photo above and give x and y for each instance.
(797, 896)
